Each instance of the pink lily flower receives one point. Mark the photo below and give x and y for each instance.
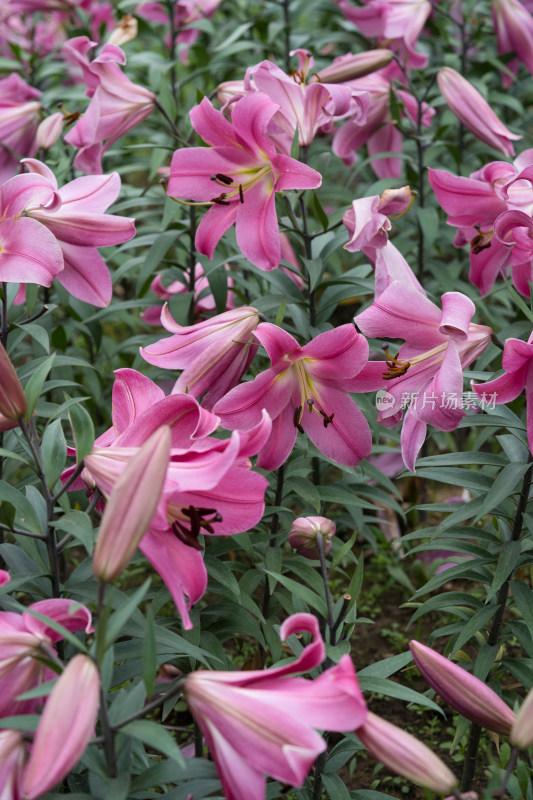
(426, 374)
(116, 106)
(474, 112)
(209, 489)
(209, 486)
(395, 23)
(238, 176)
(65, 728)
(378, 132)
(228, 705)
(213, 354)
(22, 639)
(368, 220)
(405, 755)
(513, 25)
(463, 691)
(306, 390)
(302, 106)
(5, 577)
(474, 206)
(203, 299)
(19, 119)
(78, 221)
(517, 362)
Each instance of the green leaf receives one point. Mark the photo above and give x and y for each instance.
(79, 525)
(35, 384)
(28, 722)
(346, 547)
(503, 487)
(7, 514)
(382, 669)
(306, 594)
(82, 430)
(315, 269)
(393, 689)
(523, 597)
(355, 584)
(117, 621)
(155, 255)
(507, 563)
(26, 516)
(54, 452)
(318, 212)
(335, 788)
(304, 489)
(152, 734)
(473, 625)
(281, 312)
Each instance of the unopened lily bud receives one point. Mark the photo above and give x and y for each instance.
(229, 91)
(304, 532)
(131, 505)
(125, 31)
(474, 112)
(49, 131)
(403, 754)
(521, 735)
(65, 728)
(464, 692)
(350, 67)
(12, 400)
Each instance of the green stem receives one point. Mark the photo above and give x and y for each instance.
(272, 540)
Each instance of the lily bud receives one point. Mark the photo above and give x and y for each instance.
(474, 112)
(521, 735)
(350, 67)
(304, 532)
(403, 754)
(467, 694)
(66, 725)
(12, 400)
(49, 131)
(131, 505)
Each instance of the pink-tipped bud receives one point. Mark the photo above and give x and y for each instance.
(5, 577)
(49, 131)
(304, 532)
(474, 112)
(521, 735)
(131, 505)
(467, 694)
(350, 67)
(66, 725)
(12, 400)
(403, 754)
